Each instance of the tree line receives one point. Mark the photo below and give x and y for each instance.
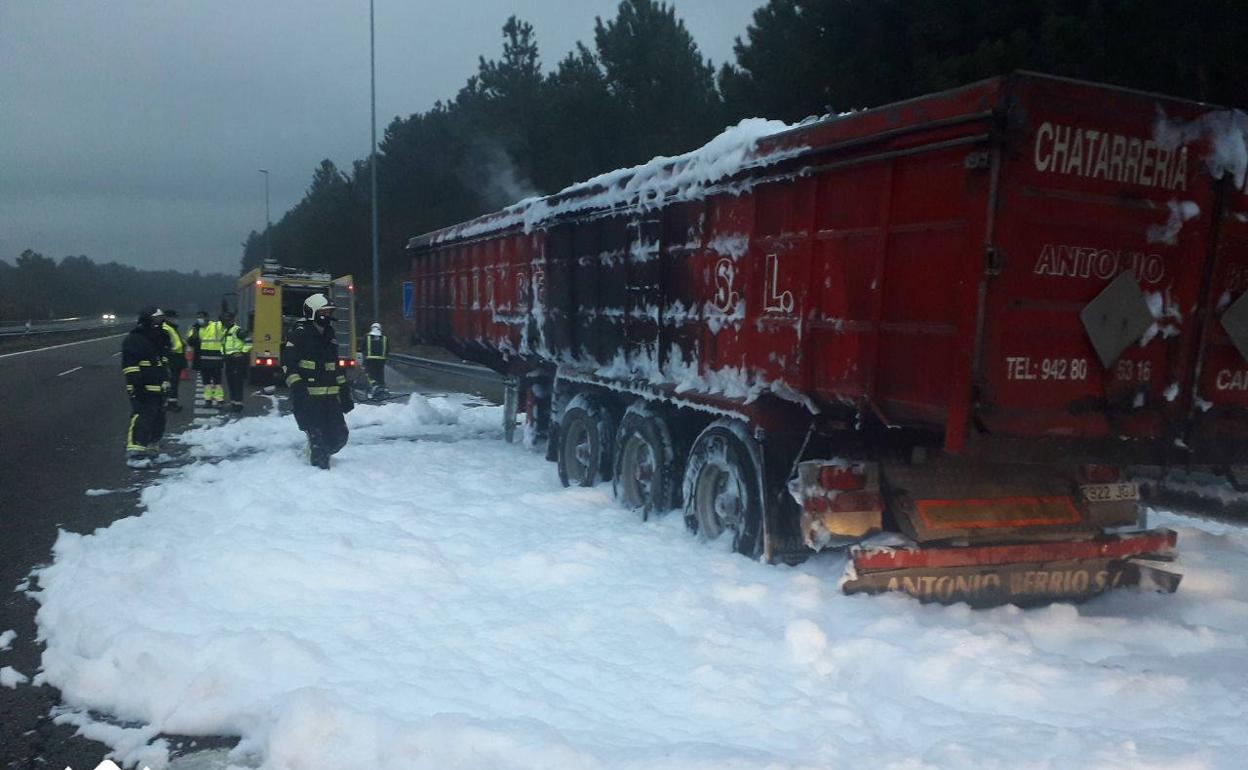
(643, 89)
(38, 287)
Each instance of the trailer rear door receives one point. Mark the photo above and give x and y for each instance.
(1099, 270)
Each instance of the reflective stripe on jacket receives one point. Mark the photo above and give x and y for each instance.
(234, 344)
(376, 348)
(175, 341)
(211, 341)
(310, 357)
(141, 363)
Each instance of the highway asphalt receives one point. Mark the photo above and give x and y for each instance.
(63, 416)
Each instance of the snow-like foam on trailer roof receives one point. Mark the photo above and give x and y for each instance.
(663, 179)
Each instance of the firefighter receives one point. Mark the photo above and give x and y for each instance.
(192, 337)
(235, 349)
(211, 358)
(176, 353)
(376, 351)
(318, 389)
(147, 382)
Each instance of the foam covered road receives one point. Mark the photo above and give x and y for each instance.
(437, 600)
(62, 423)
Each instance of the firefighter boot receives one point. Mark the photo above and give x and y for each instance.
(317, 454)
(138, 459)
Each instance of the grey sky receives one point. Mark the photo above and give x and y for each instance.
(132, 130)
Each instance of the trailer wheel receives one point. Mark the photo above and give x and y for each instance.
(584, 444)
(644, 478)
(721, 488)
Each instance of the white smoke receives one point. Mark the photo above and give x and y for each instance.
(494, 175)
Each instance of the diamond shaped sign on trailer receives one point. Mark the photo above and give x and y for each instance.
(1235, 321)
(1117, 318)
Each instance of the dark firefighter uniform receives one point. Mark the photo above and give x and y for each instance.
(376, 351)
(192, 338)
(318, 389)
(176, 353)
(147, 379)
(235, 349)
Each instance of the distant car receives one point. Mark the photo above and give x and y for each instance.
(109, 317)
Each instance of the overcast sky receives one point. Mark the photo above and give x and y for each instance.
(132, 130)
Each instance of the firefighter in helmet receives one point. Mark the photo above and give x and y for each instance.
(147, 384)
(175, 352)
(319, 393)
(235, 348)
(376, 351)
(211, 350)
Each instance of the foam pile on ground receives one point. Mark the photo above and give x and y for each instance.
(415, 416)
(444, 603)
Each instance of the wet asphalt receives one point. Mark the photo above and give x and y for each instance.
(63, 416)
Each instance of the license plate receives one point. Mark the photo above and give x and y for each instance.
(1109, 493)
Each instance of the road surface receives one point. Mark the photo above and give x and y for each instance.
(63, 417)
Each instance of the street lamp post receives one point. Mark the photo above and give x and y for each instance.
(372, 163)
(268, 238)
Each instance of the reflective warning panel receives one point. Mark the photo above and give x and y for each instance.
(1117, 318)
(1235, 321)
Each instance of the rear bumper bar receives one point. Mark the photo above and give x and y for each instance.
(1024, 573)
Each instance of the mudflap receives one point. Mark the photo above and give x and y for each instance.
(990, 576)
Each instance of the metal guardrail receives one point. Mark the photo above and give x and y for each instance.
(56, 326)
(448, 367)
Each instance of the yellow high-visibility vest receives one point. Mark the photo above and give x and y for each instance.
(175, 341)
(211, 337)
(235, 345)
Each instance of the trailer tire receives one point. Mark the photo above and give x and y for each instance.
(721, 488)
(585, 438)
(645, 473)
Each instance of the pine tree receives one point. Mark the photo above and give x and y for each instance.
(663, 88)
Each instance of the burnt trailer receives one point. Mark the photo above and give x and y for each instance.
(935, 332)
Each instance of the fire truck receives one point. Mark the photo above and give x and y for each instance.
(937, 334)
(270, 300)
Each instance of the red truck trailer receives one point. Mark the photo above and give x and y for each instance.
(935, 332)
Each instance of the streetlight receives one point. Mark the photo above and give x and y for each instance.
(268, 239)
(372, 164)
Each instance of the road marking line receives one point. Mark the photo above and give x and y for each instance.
(62, 345)
(69, 371)
(117, 354)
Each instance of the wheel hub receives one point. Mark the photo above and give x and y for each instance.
(639, 466)
(718, 500)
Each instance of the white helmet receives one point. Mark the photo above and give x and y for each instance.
(375, 331)
(316, 303)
